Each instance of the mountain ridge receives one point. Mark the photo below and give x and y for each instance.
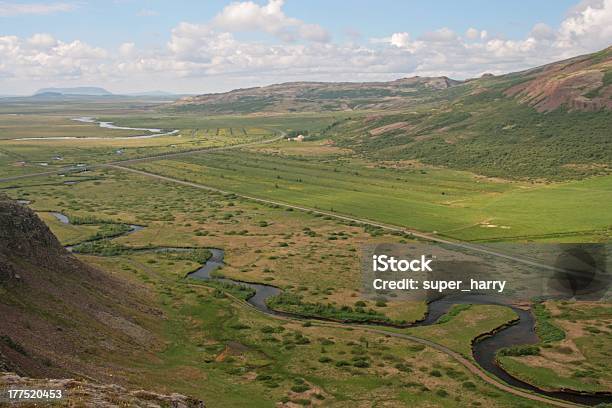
(78, 90)
(313, 96)
(582, 83)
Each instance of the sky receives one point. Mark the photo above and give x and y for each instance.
(212, 46)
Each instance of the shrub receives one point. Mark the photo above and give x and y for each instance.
(300, 388)
(527, 350)
(546, 330)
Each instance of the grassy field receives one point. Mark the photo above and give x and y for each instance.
(452, 203)
(279, 361)
(209, 346)
(98, 145)
(579, 359)
(178, 216)
(314, 122)
(458, 332)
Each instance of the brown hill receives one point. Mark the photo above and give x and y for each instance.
(582, 83)
(61, 317)
(315, 96)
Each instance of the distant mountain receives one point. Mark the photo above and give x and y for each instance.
(317, 96)
(79, 90)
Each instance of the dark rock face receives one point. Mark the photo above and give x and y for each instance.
(22, 233)
(24, 236)
(6, 270)
(60, 316)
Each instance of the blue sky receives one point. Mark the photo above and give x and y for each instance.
(214, 45)
(102, 24)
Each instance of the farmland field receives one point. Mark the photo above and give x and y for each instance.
(456, 204)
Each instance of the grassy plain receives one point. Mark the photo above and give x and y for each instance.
(457, 204)
(97, 145)
(209, 345)
(580, 359)
(458, 332)
(262, 244)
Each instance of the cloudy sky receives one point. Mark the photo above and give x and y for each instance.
(209, 46)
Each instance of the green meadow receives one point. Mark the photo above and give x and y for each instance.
(210, 345)
(450, 203)
(95, 145)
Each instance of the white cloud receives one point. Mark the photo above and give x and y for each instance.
(400, 40)
(211, 56)
(14, 9)
(542, 31)
(42, 40)
(127, 49)
(588, 25)
(269, 18)
(442, 35)
(472, 33)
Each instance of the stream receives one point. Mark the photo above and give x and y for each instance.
(484, 350)
(107, 125)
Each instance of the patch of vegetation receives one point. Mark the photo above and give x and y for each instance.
(240, 291)
(292, 303)
(501, 138)
(111, 230)
(527, 350)
(546, 330)
(102, 247)
(455, 310)
(88, 220)
(7, 340)
(197, 255)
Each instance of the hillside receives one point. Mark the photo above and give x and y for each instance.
(61, 317)
(582, 83)
(552, 123)
(317, 96)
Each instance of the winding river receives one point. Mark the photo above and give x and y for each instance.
(484, 350)
(107, 125)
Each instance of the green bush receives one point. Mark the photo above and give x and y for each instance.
(527, 350)
(546, 330)
(300, 388)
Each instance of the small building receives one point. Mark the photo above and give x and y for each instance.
(298, 138)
